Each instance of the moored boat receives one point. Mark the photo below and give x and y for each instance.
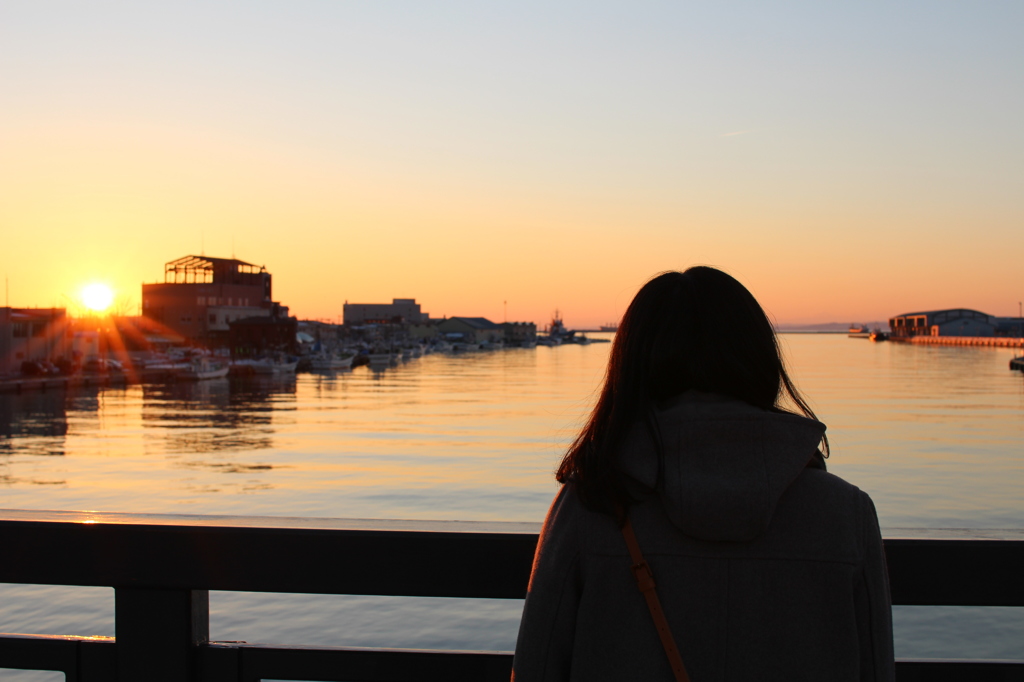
(202, 368)
(265, 366)
(332, 361)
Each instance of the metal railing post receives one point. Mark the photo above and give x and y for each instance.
(158, 632)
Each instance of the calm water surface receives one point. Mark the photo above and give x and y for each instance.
(934, 434)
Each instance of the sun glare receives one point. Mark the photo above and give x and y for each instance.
(97, 297)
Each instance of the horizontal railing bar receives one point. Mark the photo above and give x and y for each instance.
(400, 563)
(959, 670)
(955, 572)
(235, 521)
(346, 664)
(410, 563)
(248, 662)
(81, 659)
(431, 525)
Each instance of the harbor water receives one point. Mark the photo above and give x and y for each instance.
(933, 433)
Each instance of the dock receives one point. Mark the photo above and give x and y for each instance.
(74, 381)
(989, 341)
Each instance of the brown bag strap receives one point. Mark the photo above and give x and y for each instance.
(645, 581)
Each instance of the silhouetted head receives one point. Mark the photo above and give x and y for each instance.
(695, 330)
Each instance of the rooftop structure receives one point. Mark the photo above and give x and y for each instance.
(206, 270)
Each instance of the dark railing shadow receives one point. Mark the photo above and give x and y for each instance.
(162, 568)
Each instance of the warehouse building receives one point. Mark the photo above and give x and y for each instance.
(399, 311)
(951, 322)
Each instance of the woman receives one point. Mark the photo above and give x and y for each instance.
(766, 566)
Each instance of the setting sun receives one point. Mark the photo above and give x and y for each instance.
(97, 297)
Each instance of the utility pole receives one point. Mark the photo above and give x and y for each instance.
(505, 314)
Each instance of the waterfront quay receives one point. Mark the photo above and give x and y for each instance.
(162, 568)
(20, 384)
(989, 341)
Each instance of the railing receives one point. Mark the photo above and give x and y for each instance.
(161, 569)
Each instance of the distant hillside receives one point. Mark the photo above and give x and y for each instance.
(830, 326)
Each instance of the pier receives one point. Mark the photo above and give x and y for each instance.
(22, 384)
(162, 568)
(989, 341)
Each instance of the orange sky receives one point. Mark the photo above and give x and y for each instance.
(843, 167)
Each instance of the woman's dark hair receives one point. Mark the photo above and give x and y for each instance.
(701, 330)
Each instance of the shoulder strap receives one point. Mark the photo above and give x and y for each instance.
(645, 581)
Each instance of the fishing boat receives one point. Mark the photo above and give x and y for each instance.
(1017, 363)
(265, 366)
(202, 368)
(381, 357)
(858, 331)
(332, 361)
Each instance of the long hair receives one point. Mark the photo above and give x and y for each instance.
(699, 329)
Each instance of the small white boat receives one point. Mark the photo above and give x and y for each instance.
(379, 359)
(330, 361)
(202, 368)
(265, 367)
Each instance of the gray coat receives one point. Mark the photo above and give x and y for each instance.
(767, 568)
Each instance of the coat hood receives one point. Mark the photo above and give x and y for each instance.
(726, 463)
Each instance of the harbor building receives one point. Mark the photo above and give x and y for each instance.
(518, 332)
(951, 322)
(399, 311)
(32, 334)
(472, 329)
(201, 296)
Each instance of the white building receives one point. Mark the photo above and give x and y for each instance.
(32, 334)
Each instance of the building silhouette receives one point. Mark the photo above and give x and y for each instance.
(201, 297)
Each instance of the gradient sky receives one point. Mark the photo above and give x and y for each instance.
(846, 162)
